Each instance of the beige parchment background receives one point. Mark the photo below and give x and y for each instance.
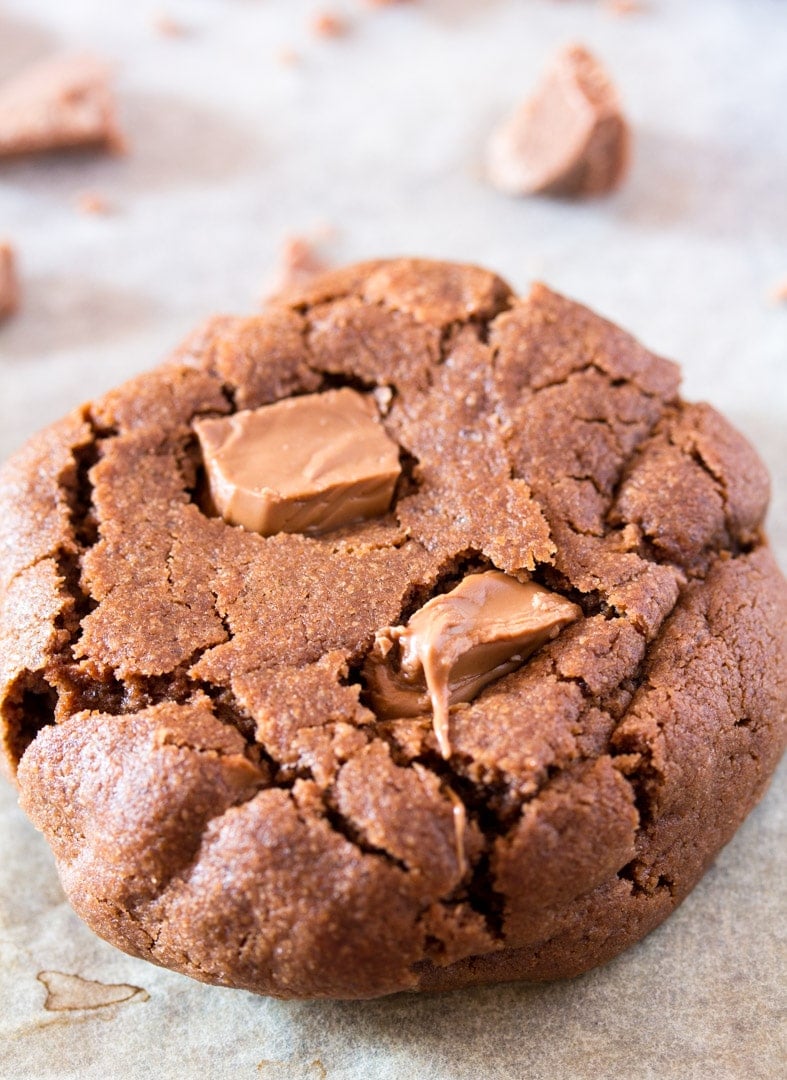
(379, 134)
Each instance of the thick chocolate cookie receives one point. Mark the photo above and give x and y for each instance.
(493, 723)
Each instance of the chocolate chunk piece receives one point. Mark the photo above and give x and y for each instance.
(569, 138)
(459, 642)
(59, 104)
(9, 286)
(309, 464)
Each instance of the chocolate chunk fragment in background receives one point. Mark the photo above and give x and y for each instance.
(9, 285)
(309, 464)
(459, 642)
(61, 103)
(569, 138)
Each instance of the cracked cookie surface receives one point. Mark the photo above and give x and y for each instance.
(183, 703)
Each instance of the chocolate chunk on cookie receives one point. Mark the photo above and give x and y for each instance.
(460, 642)
(407, 635)
(308, 464)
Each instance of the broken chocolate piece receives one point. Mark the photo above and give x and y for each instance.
(569, 138)
(308, 464)
(9, 285)
(458, 643)
(60, 103)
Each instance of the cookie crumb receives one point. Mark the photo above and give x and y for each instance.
(168, 27)
(299, 262)
(89, 202)
(9, 283)
(64, 102)
(288, 57)
(328, 25)
(779, 292)
(623, 7)
(568, 138)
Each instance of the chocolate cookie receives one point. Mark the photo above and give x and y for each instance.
(405, 636)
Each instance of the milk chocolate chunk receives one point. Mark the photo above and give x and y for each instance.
(58, 104)
(308, 464)
(569, 138)
(458, 643)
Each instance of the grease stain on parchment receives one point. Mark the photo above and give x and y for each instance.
(66, 993)
(293, 1069)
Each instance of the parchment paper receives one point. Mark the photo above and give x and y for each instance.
(379, 134)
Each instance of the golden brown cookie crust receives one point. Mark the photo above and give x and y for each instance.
(184, 699)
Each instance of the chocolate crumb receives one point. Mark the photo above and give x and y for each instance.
(569, 138)
(89, 202)
(64, 102)
(288, 57)
(327, 25)
(623, 7)
(9, 284)
(168, 27)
